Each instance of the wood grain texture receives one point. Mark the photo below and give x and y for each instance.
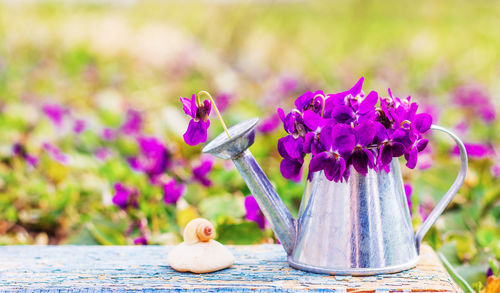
(260, 268)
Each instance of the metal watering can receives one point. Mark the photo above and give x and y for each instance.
(359, 227)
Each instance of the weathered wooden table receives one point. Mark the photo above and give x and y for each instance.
(259, 268)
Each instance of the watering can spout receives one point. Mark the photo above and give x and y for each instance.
(273, 208)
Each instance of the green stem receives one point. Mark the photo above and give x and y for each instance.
(463, 283)
(198, 100)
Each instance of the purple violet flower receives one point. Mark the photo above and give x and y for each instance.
(125, 197)
(200, 172)
(133, 122)
(475, 150)
(154, 158)
(199, 123)
(102, 154)
(474, 99)
(56, 154)
(269, 124)
(408, 193)
(79, 126)
(55, 113)
(222, 101)
(369, 136)
(172, 191)
(495, 171)
(141, 240)
(108, 134)
(19, 150)
(253, 212)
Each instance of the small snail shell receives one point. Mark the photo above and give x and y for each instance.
(199, 253)
(199, 230)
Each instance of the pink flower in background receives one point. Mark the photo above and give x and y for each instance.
(269, 124)
(154, 158)
(475, 150)
(425, 208)
(287, 85)
(200, 172)
(172, 191)
(133, 122)
(408, 193)
(141, 240)
(108, 134)
(56, 154)
(19, 150)
(79, 126)
(125, 197)
(253, 212)
(222, 100)
(475, 99)
(495, 171)
(55, 113)
(102, 153)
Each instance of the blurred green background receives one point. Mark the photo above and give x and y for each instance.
(98, 60)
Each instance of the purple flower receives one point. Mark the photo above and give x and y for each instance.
(200, 172)
(19, 150)
(426, 208)
(56, 154)
(369, 136)
(102, 153)
(55, 113)
(408, 193)
(253, 212)
(337, 141)
(154, 158)
(474, 99)
(172, 191)
(141, 240)
(269, 124)
(79, 126)
(198, 125)
(125, 197)
(108, 134)
(495, 171)
(222, 101)
(133, 122)
(475, 150)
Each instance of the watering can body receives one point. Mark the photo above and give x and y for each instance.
(358, 227)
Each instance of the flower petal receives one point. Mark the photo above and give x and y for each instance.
(196, 132)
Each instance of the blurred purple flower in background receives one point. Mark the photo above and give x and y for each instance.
(56, 154)
(199, 123)
(200, 172)
(79, 126)
(141, 240)
(475, 150)
(222, 100)
(475, 99)
(125, 197)
(153, 159)
(495, 171)
(55, 113)
(269, 124)
(133, 122)
(108, 134)
(408, 193)
(172, 191)
(19, 150)
(253, 212)
(102, 153)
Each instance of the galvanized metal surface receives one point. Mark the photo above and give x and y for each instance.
(259, 268)
(362, 226)
(359, 227)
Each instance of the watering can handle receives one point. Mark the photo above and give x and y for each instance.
(436, 212)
